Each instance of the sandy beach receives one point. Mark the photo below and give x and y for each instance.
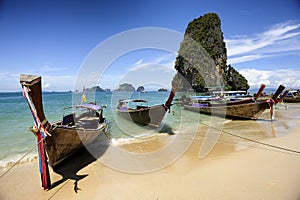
(235, 169)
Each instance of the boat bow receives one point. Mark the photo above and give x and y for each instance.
(32, 91)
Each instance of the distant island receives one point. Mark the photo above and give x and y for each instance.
(140, 89)
(162, 90)
(125, 87)
(95, 89)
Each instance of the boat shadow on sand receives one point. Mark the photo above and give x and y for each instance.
(69, 168)
(165, 128)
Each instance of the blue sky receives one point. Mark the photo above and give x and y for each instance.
(54, 38)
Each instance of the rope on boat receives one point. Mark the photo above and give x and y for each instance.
(255, 141)
(18, 161)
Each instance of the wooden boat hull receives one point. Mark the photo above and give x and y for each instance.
(65, 141)
(239, 111)
(291, 99)
(152, 116)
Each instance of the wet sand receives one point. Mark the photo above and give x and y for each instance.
(235, 169)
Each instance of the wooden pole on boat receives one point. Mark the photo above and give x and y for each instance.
(274, 100)
(277, 93)
(261, 89)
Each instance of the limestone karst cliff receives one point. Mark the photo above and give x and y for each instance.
(202, 58)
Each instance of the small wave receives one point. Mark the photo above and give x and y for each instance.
(227, 121)
(11, 98)
(145, 136)
(11, 160)
(121, 141)
(10, 95)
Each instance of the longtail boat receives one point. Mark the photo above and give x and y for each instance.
(63, 138)
(240, 109)
(144, 114)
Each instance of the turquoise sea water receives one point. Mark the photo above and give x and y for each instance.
(16, 118)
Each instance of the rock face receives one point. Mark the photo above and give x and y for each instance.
(202, 58)
(126, 87)
(235, 80)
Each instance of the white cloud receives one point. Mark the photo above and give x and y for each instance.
(272, 78)
(165, 59)
(281, 31)
(139, 62)
(47, 68)
(10, 82)
(58, 82)
(280, 39)
(152, 67)
(46, 86)
(241, 59)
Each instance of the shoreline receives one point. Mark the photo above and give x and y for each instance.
(234, 169)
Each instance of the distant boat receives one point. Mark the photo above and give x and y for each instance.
(232, 95)
(63, 138)
(144, 114)
(292, 96)
(239, 109)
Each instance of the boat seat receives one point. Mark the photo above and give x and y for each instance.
(88, 122)
(68, 120)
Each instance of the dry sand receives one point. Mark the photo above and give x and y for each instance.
(235, 169)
